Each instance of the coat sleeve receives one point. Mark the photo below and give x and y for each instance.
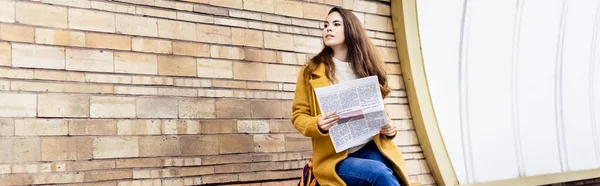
(302, 119)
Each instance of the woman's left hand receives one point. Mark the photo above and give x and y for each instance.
(389, 129)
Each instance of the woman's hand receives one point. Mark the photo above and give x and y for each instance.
(389, 129)
(326, 121)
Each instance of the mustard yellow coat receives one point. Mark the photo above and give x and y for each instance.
(305, 114)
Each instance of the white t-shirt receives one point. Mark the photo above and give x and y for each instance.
(344, 72)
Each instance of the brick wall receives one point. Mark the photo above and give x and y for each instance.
(160, 92)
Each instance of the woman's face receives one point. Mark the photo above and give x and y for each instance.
(333, 30)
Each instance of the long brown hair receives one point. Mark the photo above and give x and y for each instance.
(362, 54)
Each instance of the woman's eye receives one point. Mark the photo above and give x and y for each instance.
(337, 24)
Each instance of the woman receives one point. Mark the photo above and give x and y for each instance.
(348, 54)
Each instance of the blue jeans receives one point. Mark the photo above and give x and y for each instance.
(366, 166)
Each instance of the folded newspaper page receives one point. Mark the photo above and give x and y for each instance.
(360, 107)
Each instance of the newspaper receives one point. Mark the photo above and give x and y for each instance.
(360, 107)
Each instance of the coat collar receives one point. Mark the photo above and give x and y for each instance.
(320, 79)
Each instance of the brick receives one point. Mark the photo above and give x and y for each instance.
(395, 82)
(244, 14)
(191, 49)
(178, 92)
(288, 8)
(426, 179)
(37, 86)
(112, 107)
(218, 126)
(53, 16)
(135, 25)
(25, 55)
(306, 23)
(266, 166)
(253, 126)
(181, 127)
(213, 34)
(398, 111)
(393, 68)
(214, 68)
(174, 5)
(265, 109)
(281, 126)
(276, 19)
(231, 168)
(226, 52)
(195, 17)
(229, 84)
(26, 149)
(59, 75)
(235, 143)
(57, 178)
(146, 174)
(5, 54)
(237, 4)
(249, 71)
(90, 165)
(315, 11)
(151, 45)
(196, 108)
(7, 11)
(115, 147)
(279, 41)
(261, 86)
(263, 26)
(378, 23)
(16, 33)
(108, 41)
(107, 78)
(157, 108)
(406, 138)
(94, 127)
(233, 108)
(365, 6)
(40, 127)
(89, 60)
(63, 105)
(91, 20)
(159, 146)
(108, 175)
(155, 12)
(247, 37)
(149, 80)
(87, 88)
(59, 37)
(189, 82)
(297, 142)
(388, 54)
(266, 6)
(177, 30)
(285, 73)
(138, 127)
(231, 22)
(287, 58)
(18, 105)
(138, 162)
(156, 182)
(72, 3)
(140, 2)
(306, 44)
(211, 10)
(127, 62)
(294, 30)
(112, 7)
(136, 90)
(176, 66)
(199, 145)
(66, 148)
(7, 127)
(6, 155)
(219, 178)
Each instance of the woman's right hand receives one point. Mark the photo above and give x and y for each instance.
(326, 121)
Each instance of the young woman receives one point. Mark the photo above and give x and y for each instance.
(348, 54)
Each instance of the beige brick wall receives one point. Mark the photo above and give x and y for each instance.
(162, 92)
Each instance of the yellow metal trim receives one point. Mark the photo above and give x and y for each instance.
(544, 179)
(406, 30)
